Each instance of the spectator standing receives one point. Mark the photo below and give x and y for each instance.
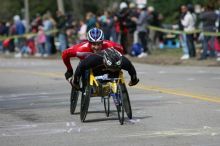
(182, 36)
(19, 30)
(208, 18)
(116, 29)
(106, 24)
(61, 25)
(122, 18)
(188, 21)
(90, 21)
(41, 41)
(52, 35)
(47, 26)
(218, 53)
(142, 23)
(131, 26)
(37, 21)
(157, 36)
(82, 31)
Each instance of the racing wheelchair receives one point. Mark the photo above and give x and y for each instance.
(107, 88)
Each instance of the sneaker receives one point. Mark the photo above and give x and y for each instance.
(26, 55)
(37, 55)
(185, 57)
(18, 55)
(143, 54)
(45, 55)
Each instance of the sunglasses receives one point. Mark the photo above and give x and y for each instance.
(96, 43)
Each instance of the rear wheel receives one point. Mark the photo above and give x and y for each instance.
(126, 101)
(85, 102)
(120, 105)
(73, 100)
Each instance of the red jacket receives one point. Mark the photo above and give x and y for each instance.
(83, 49)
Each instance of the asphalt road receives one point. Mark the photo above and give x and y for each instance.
(172, 106)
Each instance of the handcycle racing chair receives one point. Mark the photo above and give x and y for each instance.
(106, 87)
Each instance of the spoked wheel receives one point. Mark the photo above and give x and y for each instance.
(73, 100)
(126, 101)
(85, 103)
(120, 105)
(107, 106)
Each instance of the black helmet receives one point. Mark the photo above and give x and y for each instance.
(112, 58)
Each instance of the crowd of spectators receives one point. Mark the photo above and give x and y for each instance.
(128, 25)
(208, 21)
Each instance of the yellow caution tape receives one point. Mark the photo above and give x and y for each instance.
(27, 35)
(183, 32)
(150, 27)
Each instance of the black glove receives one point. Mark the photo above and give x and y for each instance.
(133, 81)
(68, 74)
(75, 83)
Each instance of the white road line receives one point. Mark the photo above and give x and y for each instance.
(69, 130)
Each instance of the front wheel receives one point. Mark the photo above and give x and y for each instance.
(120, 104)
(73, 100)
(126, 101)
(107, 106)
(85, 103)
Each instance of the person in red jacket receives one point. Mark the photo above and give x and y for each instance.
(95, 43)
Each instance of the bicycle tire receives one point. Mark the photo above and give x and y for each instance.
(120, 106)
(126, 101)
(73, 100)
(107, 106)
(85, 103)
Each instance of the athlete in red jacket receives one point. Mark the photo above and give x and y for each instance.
(95, 42)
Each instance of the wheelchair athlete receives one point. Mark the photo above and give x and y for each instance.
(108, 61)
(95, 42)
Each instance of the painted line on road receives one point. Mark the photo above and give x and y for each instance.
(46, 74)
(179, 93)
(140, 86)
(215, 131)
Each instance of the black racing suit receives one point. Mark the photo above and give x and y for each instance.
(95, 61)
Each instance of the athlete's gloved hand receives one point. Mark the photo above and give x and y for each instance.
(133, 81)
(68, 74)
(75, 83)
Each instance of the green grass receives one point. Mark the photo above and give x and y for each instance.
(172, 57)
(167, 52)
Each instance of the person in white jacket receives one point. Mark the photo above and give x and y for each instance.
(188, 21)
(82, 31)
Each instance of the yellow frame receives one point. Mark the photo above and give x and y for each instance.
(93, 81)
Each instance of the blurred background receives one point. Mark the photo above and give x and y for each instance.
(43, 28)
(78, 8)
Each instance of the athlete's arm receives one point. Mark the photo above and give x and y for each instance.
(91, 61)
(67, 54)
(128, 66)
